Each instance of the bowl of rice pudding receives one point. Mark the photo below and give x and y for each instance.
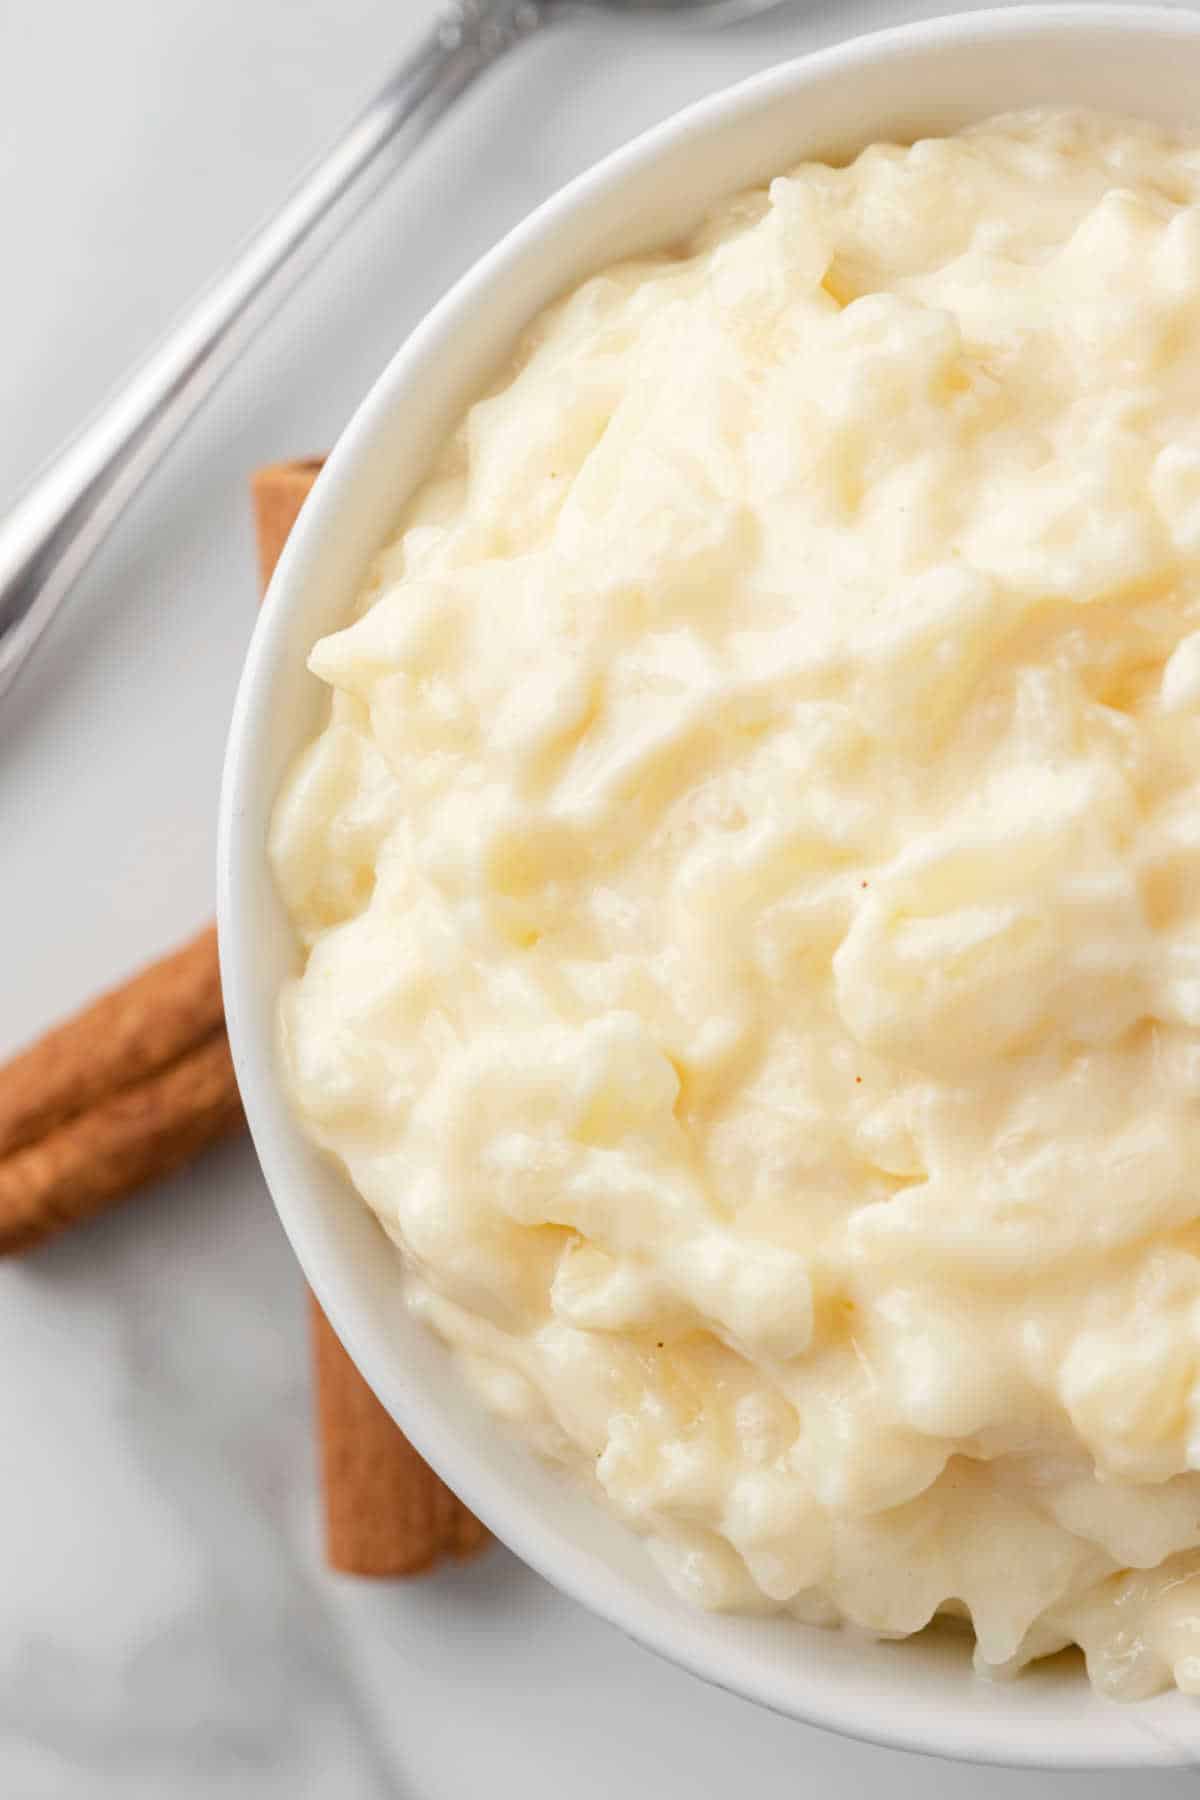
(710, 888)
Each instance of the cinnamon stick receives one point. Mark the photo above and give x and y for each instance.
(134, 1136)
(386, 1512)
(126, 1092)
(136, 1085)
(141, 1080)
(278, 492)
(119, 1039)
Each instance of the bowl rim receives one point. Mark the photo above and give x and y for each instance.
(584, 1579)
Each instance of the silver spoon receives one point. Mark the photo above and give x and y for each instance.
(55, 527)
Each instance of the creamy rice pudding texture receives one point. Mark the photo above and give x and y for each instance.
(750, 888)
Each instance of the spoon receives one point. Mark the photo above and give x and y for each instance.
(51, 533)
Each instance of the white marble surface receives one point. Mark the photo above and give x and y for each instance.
(166, 1627)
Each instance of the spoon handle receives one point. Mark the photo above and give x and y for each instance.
(52, 531)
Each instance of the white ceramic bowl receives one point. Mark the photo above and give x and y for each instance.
(900, 84)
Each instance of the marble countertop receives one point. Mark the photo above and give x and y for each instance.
(166, 1626)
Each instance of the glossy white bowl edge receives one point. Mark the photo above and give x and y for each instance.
(913, 80)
